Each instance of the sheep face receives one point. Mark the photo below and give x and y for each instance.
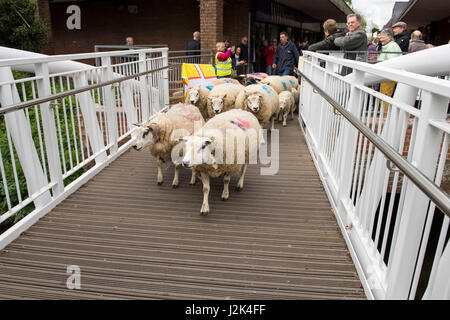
(217, 103)
(146, 135)
(283, 103)
(254, 102)
(197, 151)
(193, 96)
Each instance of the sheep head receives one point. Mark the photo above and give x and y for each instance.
(197, 151)
(146, 135)
(283, 103)
(193, 95)
(254, 101)
(217, 103)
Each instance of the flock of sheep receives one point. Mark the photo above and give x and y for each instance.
(234, 113)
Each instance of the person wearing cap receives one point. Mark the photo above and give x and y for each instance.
(401, 35)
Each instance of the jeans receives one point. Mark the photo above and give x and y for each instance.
(269, 70)
(285, 72)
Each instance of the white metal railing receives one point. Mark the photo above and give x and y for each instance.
(59, 130)
(396, 234)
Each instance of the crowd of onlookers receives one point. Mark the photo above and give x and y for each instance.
(279, 56)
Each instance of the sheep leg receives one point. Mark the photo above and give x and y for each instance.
(160, 175)
(226, 183)
(273, 123)
(193, 180)
(261, 135)
(240, 184)
(176, 182)
(285, 115)
(205, 205)
(292, 112)
(279, 116)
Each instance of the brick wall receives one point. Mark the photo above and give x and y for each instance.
(107, 22)
(211, 23)
(236, 13)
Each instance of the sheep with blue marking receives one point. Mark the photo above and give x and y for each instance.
(293, 81)
(261, 100)
(277, 83)
(224, 80)
(198, 96)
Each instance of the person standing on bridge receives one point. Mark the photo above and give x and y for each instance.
(354, 40)
(401, 35)
(331, 33)
(286, 56)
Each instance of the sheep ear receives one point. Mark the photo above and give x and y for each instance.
(223, 96)
(184, 139)
(246, 93)
(137, 124)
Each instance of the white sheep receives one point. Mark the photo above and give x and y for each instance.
(287, 105)
(278, 83)
(198, 96)
(223, 80)
(161, 134)
(226, 144)
(261, 100)
(222, 98)
(296, 94)
(292, 80)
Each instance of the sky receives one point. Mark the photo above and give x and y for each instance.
(377, 11)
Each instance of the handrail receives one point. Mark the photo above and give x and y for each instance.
(436, 194)
(22, 105)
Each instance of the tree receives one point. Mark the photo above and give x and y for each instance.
(19, 26)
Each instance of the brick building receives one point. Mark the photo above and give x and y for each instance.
(172, 22)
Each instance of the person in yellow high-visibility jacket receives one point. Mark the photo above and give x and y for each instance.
(223, 63)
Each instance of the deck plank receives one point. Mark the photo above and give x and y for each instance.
(132, 239)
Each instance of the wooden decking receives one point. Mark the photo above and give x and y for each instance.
(132, 239)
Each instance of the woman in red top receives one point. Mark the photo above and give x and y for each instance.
(269, 53)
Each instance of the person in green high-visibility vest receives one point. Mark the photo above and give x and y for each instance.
(223, 63)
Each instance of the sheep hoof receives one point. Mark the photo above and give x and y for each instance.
(239, 188)
(175, 185)
(284, 124)
(192, 183)
(205, 210)
(225, 198)
(160, 183)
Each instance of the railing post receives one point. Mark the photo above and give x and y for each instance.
(403, 257)
(48, 122)
(110, 105)
(349, 136)
(20, 131)
(90, 118)
(165, 54)
(145, 105)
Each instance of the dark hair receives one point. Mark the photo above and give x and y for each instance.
(285, 33)
(356, 15)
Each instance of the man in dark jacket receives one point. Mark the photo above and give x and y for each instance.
(331, 32)
(193, 48)
(354, 40)
(401, 36)
(416, 43)
(286, 56)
